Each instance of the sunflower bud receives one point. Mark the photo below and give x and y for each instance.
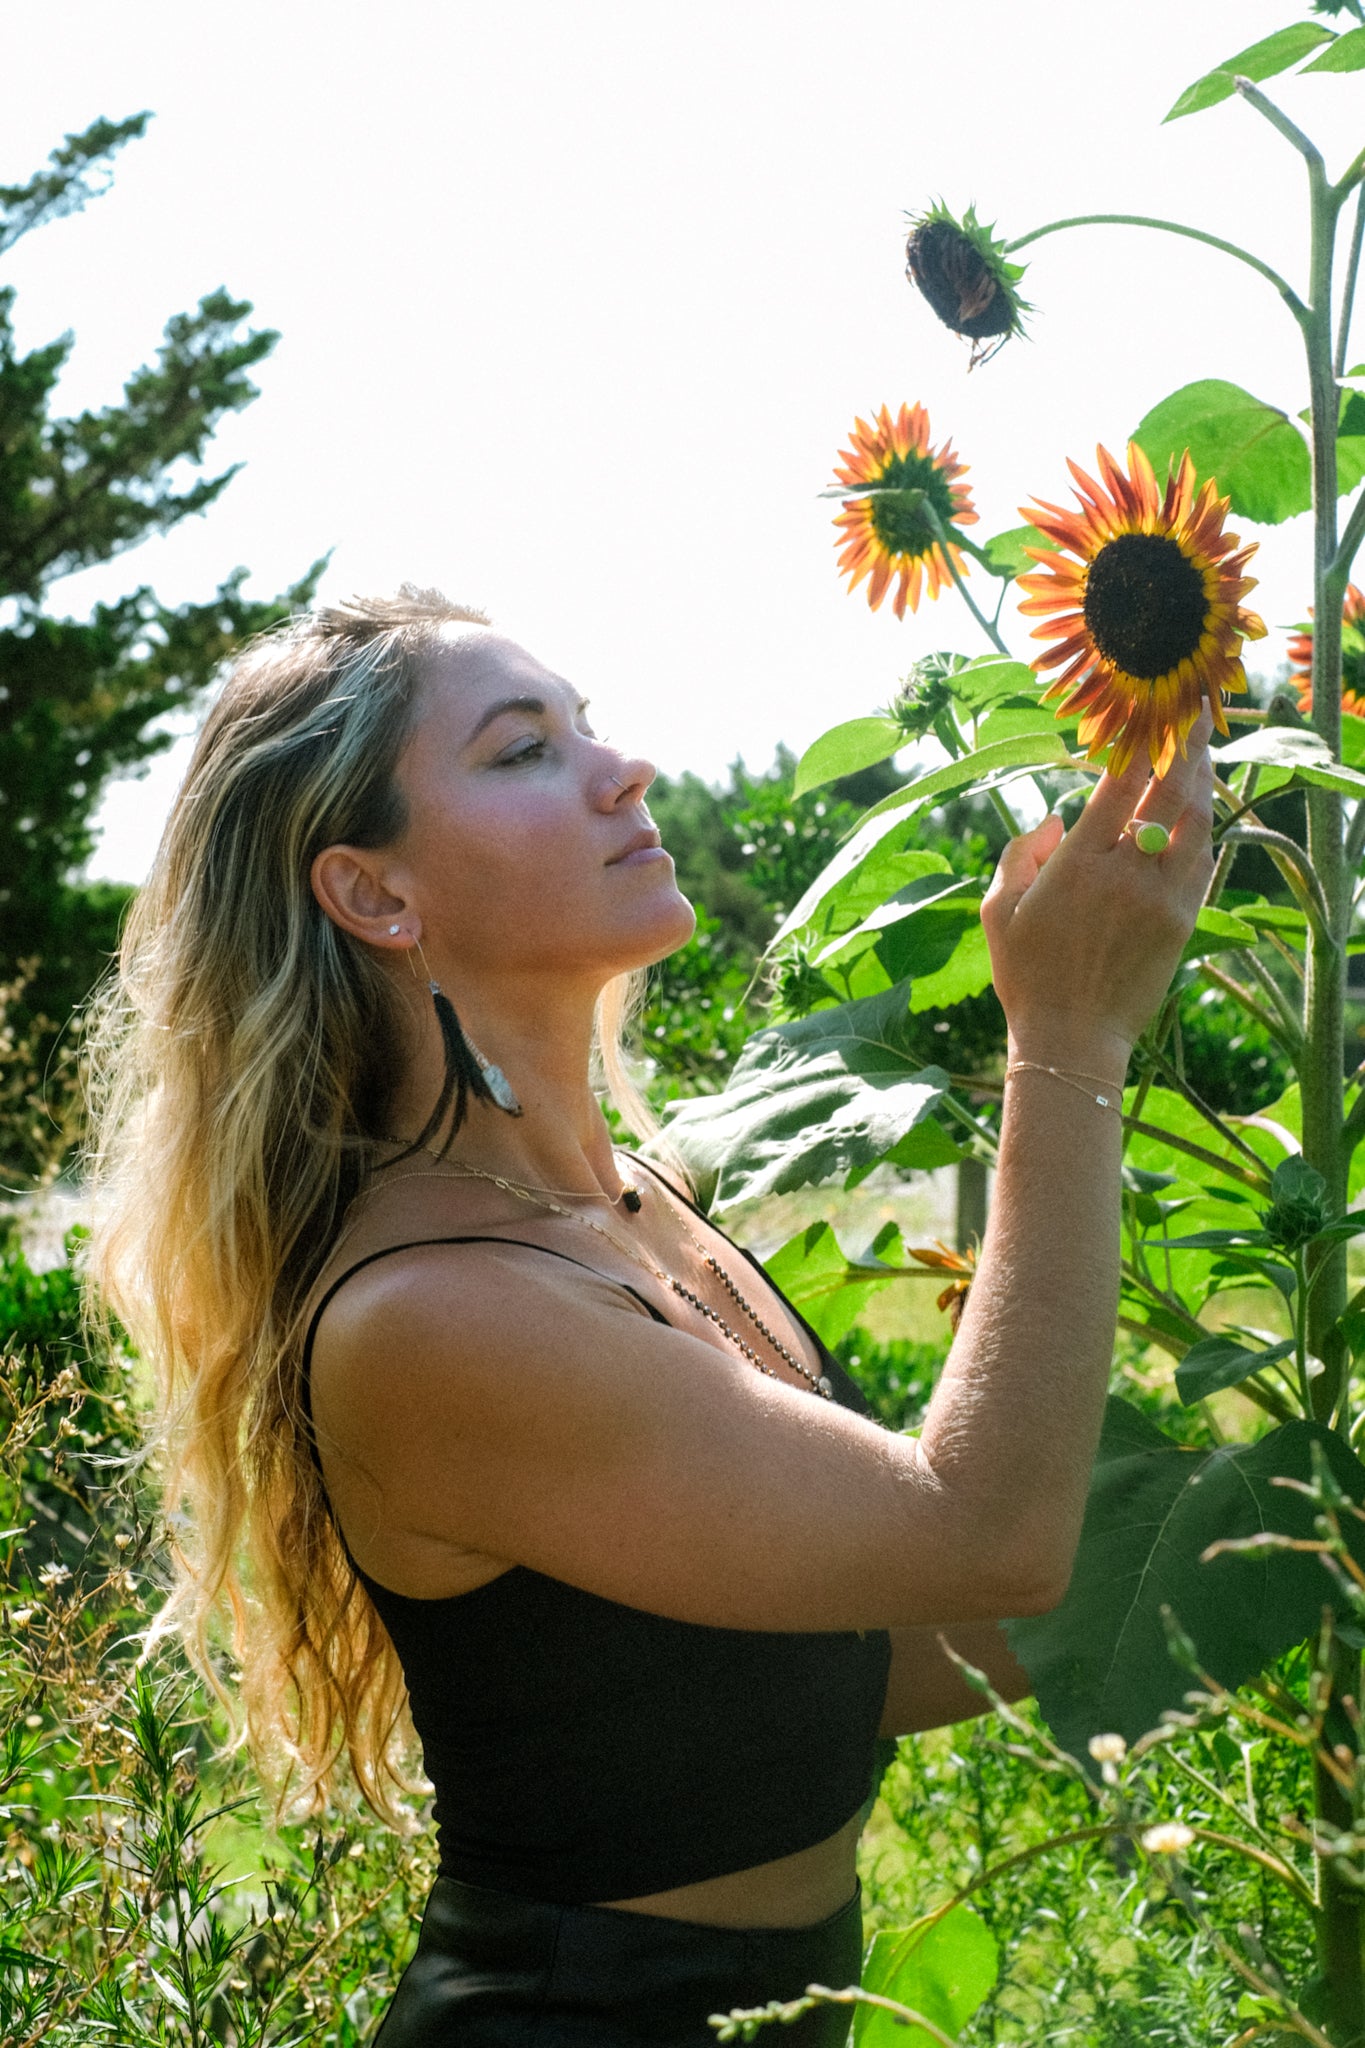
(925, 694)
(961, 270)
(1298, 1204)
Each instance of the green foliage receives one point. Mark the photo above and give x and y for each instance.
(141, 1903)
(86, 700)
(943, 1968)
(1265, 59)
(897, 1378)
(1101, 1659)
(695, 1019)
(827, 1095)
(1254, 451)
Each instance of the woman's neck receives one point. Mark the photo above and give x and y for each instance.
(561, 1139)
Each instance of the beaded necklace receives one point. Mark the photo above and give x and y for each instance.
(542, 1198)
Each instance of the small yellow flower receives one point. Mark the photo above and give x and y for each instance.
(1170, 1838)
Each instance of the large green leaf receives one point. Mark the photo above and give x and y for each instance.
(1101, 1660)
(809, 1101)
(868, 868)
(944, 1969)
(1300, 749)
(1347, 53)
(1222, 1362)
(1257, 455)
(844, 749)
(830, 1289)
(986, 768)
(1265, 59)
(991, 677)
(966, 972)
(1350, 427)
(921, 946)
(1215, 931)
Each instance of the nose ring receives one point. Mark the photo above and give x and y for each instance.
(617, 780)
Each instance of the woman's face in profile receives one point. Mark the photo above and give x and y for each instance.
(528, 846)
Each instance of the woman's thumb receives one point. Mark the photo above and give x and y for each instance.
(1020, 864)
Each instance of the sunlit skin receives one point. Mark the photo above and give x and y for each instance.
(475, 1412)
(509, 878)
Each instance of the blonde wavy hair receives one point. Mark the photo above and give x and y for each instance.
(241, 1059)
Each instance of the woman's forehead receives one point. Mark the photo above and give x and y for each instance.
(477, 669)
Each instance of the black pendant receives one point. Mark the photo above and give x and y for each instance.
(631, 1197)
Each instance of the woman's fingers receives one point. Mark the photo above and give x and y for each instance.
(1020, 865)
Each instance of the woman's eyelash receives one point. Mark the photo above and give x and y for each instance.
(526, 752)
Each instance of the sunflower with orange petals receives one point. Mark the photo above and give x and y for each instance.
(1149, 620)
(1352, 657)
(886, 531)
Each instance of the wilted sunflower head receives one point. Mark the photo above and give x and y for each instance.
(961, 270)
(1149, 618)
(887, 530)
(1352, 657)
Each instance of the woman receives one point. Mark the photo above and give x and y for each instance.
(477, 1406)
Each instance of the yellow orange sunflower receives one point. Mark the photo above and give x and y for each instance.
(1352, 657)
(1149, 619)
(887, 534)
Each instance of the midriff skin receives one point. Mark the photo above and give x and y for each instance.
(791, 1891)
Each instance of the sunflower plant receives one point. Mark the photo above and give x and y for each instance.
(1237, 1227)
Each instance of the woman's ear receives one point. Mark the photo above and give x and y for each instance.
(359, 897)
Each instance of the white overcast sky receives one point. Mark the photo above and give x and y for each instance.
(579, 299)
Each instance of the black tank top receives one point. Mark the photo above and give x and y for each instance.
(581, 1750)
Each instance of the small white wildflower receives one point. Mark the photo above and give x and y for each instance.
(122, 1540)
(356, 1851)
(21, 1617)
(53, 1831)
(54, 1574)
(33, 1720)
(1171, 1838)
(1108, 1749)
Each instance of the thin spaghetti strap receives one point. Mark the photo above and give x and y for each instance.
(416, 1243)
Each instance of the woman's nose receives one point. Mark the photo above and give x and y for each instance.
(627, 779)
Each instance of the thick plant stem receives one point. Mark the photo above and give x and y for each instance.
(1341, 1910)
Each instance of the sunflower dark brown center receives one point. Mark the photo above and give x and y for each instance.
(898, 520)
(1144, 604)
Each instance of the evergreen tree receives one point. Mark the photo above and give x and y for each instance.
(80, 701)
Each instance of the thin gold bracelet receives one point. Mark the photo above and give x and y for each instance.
(1076, 1081)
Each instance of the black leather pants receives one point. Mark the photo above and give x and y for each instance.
(493, 1971)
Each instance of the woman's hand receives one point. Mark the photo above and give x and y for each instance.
(1085, 931)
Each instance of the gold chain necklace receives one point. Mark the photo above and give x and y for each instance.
(818, 1383)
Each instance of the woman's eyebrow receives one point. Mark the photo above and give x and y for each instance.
(535, 706)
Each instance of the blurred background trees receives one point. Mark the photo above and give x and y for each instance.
(84, 700)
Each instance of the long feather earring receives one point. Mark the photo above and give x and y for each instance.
(467, 1071)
